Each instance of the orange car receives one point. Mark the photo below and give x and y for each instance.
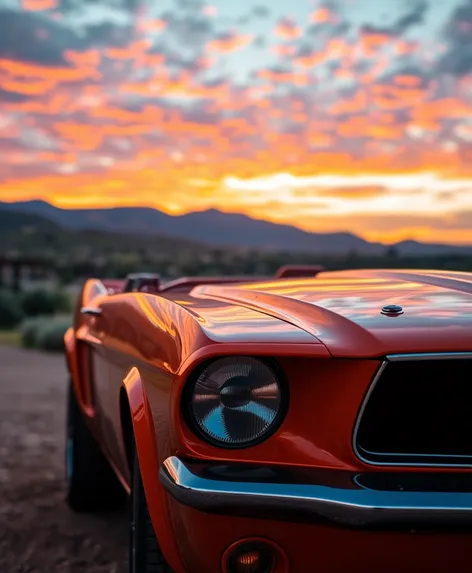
(283, 425)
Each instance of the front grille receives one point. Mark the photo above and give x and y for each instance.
(418, 412)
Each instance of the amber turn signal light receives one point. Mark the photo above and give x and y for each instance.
(251, 557)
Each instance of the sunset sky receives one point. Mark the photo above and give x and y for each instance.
(333, 116)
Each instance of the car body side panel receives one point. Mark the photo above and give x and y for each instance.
(147, 450)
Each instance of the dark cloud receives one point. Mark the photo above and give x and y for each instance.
(107, 35)
(12, 97)
(199, 115)
(413, 17)
(19, 38)
(175, 59)
(189, 29)
(72, 5)
(258, 12)
(261, 11)
(190, 5)
(457, 61)
(304, 49)
(47, 40)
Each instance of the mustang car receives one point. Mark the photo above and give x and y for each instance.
(310, 422)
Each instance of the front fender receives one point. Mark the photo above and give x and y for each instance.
(72, 360)
(146, 448)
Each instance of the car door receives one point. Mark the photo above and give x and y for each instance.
(93, 360)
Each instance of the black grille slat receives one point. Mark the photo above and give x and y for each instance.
(419, 412)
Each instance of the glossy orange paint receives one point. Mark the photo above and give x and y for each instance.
(146, 446)
(328, 337)
(311, 548)
(186, 284)
(298, 271)
(342, 309)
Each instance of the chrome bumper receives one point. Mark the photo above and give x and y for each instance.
(378, 499)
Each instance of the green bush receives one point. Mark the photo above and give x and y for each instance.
(50, 335)
(29, 331)
(45, 303)
(44, 333)
(63, 301)
(38, 303)
(11, 313)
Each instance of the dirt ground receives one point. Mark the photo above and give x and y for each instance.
(38, 532)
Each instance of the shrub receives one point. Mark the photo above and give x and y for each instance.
(11, 313)
(44, 333)
(38, 303)
(63, 302)
(29, 331)
(50, 334)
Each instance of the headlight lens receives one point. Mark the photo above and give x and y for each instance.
(236, 401)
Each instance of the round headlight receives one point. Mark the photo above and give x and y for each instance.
(236, 401)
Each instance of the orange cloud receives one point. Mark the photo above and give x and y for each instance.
(136, 49)
(88, 58)
(408, 81)
(355, 126)
(283, 50)
(54, 74)
(357, 103)
(287, 29)
(310, 60)
(392, 97)
(370, 42)
(296, 78)
(152, 26)
(403, 47)
(39, 5)
(230, 43)
(27, 88)
(321, 15)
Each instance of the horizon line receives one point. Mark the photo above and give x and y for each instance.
(134, 206)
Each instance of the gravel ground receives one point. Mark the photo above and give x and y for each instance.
(38, 532)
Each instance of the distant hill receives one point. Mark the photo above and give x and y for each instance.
(37, 235)
(18, 221)
(211, 227)
(416, 248)
(216, 228)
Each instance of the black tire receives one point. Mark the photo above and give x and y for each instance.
(145, 555)
(91, 483)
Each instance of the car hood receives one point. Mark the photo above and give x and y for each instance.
(342, 310)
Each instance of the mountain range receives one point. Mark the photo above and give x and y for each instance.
(215, 228)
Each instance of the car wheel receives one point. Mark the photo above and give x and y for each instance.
(145, 555)
(91, 483)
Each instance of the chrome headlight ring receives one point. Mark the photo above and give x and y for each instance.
(235, 401)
